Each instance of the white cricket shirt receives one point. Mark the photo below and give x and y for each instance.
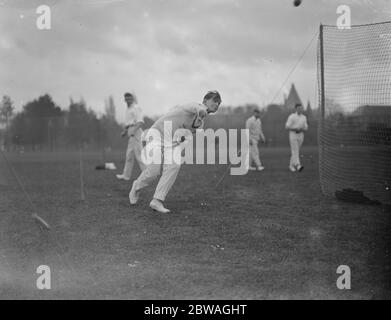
(133, 115)
(254, 126)
(297, 122)
(189, 116)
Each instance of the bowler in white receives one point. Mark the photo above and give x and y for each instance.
(296, 124)
(188, 117)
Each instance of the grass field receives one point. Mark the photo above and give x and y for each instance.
(265, 235)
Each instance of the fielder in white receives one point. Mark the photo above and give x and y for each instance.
(254, 125)
(296, 124)
(191, 117)
(133, 122)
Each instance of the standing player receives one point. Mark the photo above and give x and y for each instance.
(134, 121)
(189, 116)
(296, 124)
(254, 125)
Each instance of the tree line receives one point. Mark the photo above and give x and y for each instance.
(43, 125)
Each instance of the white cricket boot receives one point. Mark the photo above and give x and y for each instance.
(133, 194)
(122, 177)
(157, 205)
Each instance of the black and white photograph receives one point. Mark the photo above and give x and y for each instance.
(219, 151)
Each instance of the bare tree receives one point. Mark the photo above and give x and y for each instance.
(110, 108)
(6, 112)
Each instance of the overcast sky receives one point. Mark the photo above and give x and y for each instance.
(167, 51)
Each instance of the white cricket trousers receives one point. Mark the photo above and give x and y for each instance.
(295, 140)
(133, 152)
(254, 153)
(167, 168)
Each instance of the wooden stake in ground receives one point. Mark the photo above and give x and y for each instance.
(34, 215)
(82, 194)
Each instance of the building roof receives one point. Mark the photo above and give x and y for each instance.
(293, 98)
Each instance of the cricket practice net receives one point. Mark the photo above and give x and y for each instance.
(354, 81)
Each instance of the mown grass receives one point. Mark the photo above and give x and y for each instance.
(265, 235)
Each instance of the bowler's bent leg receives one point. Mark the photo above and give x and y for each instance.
(151, 170)
(166, 181)
(138, 149)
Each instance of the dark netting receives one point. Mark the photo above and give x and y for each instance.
(354, 78)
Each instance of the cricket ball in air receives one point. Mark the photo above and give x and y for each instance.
(296, 3)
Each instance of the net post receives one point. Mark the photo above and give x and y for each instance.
(82, 193)
(321, 99)
(321, 53)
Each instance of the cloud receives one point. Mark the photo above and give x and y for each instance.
(168, 51)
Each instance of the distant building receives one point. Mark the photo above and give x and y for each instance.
(293, 98)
